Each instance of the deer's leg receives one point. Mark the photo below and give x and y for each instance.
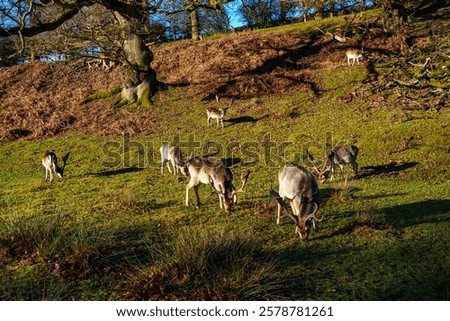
(355, 169)
(168, 166)
(341, 168)
(52, 170)
(278, 214)
(221, 201)
(193, 183)
(188, 187)
(196, 194)
(175, 169)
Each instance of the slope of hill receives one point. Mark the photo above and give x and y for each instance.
(115, 228)
(43, 99)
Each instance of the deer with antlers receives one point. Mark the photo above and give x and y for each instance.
(50, 163)
(339, 156)
(217, 113)
(300, 187)
(213, 172)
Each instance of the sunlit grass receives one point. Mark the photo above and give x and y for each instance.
(114, 222)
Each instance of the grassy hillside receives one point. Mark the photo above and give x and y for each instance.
(115, 228)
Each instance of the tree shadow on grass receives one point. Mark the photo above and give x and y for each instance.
(119, 171)
(393, 219)
(428, 211)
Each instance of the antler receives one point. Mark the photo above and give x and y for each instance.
(313, 214)
(244, 179)
(284, 206)
(313, 162)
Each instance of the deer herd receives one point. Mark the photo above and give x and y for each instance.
(297, 185)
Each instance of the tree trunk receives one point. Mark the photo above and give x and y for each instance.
(195, 25)
(140, 82)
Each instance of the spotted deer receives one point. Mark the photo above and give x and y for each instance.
(353, 55)
(50, 163)
(217, 113)
(204, 170)
(299, 186)
(172, 154)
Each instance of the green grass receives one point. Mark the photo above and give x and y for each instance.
(384, 236)
(115, 228)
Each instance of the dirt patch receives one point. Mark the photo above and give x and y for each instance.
(245, 65)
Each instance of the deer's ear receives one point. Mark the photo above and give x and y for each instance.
(65, 157)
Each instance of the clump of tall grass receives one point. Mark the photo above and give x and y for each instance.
(72, 247)
(209, 265)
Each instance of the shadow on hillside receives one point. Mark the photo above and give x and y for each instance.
(119, 171)
(386, 169)
(418, 213)
(393, 219)
(394, 271)
(244, 119)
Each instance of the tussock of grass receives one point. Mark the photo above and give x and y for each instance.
(210, 265)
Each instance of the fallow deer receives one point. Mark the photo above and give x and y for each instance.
(204, 170)
(172, 154)
(300, 187)
(339, 156)
(353, 55)
(50, 163)
(217, 113)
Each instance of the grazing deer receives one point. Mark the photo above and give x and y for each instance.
(217, 113)
(213, 172)
(339, 156)
(172, 154)
(50, 163)
(353, 55)
(299, 186)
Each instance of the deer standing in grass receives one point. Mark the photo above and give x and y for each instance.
(204, 170)
(172, 154)
(300, 187)
(341, 156)
(217, 113)
(50, 163)
(353, 55)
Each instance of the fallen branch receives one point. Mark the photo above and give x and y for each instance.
(336, 37)
(406, 83)
(421, 65)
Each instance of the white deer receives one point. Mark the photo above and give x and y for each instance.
(204, 170)
(300, 187)
(353, 55)
(50, 163)
(172, 154)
